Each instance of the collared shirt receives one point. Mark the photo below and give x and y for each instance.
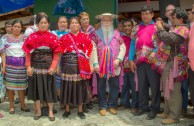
(132, 46)
(142, 23)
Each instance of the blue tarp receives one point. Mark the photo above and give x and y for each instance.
(11, 5)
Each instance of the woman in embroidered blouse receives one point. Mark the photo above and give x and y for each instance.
(15, 70)
(42, 49)
(75, 70)
(89, 30)
(63, 29)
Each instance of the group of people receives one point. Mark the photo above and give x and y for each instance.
(78, 61)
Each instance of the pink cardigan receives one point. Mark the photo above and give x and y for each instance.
(191, 47)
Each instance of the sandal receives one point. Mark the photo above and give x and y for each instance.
(11, 112)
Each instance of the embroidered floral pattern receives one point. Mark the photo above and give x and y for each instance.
(40, 71)
(71, 77)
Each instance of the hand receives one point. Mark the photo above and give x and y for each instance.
(58, 71)
(29, 71)
(126, 64)
(51, 71)
(97, 69)
(132, 66)
(3, 71)
(159, 19)
(92, 69)
(116, 63)
(159, 24)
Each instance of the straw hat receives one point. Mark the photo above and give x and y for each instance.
(113, 16)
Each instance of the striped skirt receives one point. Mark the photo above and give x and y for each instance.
(15, 73)
(1, 79)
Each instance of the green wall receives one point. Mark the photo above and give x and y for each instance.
(93, 7)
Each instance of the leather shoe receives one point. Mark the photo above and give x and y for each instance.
(133, 110)
(37, 117)
(85, 109)
(138, 113)
(151, 115)
(163, 116)
(81, 115)
(169, 121)
(113, 111)
(89, 105)
(54, 111)
(25, 110)
(11, 112)
(66, 114)
(102, 112)
(52, 118)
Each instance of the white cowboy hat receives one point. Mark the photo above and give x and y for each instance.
(113, 16)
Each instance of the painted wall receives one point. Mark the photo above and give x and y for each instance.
(93, 7)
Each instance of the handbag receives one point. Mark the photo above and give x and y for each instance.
(83, 62)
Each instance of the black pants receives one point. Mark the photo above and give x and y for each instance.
(191, 85)
(147, 76)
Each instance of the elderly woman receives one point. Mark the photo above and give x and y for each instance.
(174, 41)
(15, 70)
(42, 49)
(76, 48)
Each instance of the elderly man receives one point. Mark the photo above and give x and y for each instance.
(142, 49)
(111, 50)
(176, 66)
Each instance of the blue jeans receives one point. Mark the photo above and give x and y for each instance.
(184, 90)
(113, 92)
(129, 84)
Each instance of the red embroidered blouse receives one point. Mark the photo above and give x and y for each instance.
(38, 39)
(84, 45)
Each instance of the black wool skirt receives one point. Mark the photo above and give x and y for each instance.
(74, 90)
(41, 85)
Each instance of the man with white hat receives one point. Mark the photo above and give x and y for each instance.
(111, 51)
